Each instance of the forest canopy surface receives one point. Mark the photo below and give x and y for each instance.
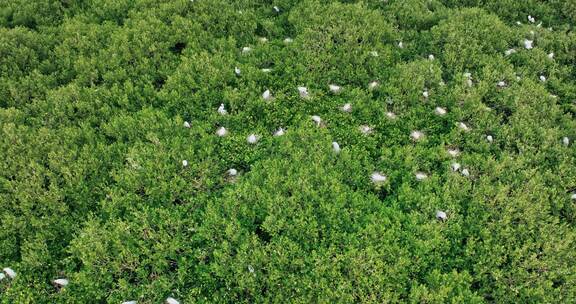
(287, 151)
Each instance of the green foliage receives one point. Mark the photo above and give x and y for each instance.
(94, 95)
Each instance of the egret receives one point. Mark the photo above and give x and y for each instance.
(378, 178)
(441, 215)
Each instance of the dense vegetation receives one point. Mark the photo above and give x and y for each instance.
(94, 95)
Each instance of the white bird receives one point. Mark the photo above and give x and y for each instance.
(61, 282)
(222, 110)
(279, 132)
(430, 57)
(221, 131)
(441, 215)
(232, 172)
(489, 138)
(573, 197)
(551, 55)
(346, 108)
(421, 176)
(453, 152)
(186, 124)
(171, 300)
(237, 71)
(277, 9)
(531, 19)
(416, 135)
(501, 84)
(542, 78)
(365, 129)
(246, 49)
(465, 172)
(129, 302)
(303, 91)
(288, 40)
(335, 147)
(373, 85)
(267, 95)
(463, 126)
(425, 94)
(263, 39)
(566, 140)
(528, 44)
(440, 111)
(10, 272)
(467, 74)
(455, 167)
(316, 119)
(335, 88)
(250, 269)
(518, 23)
(184, 163)
(401, 44)
(266, 70)
(374, 53)
(2, 276)
(378, 178)
(391, 115)
(509, 52)
(252, 139)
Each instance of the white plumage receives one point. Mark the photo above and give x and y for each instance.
(441, 215)
(372, 85)
(528, 44)
(303, 91)
(184, 163)
(378, 177)
(335, 147)
(186, 124)
(430, 57)
(221, 131)
(551, 56)
(346, 108)
(252, 139)
(10, 272)
(391, 115)
(366, 129)
(453, 152)
(288, 40)
(566, 141)
(246, 49)
(335, 88)
(171, 300)
(542, 78)
(267, 95)
(416, 135)
(129, 302)
(237, 71)
(465, 172)
(421, 176)
(401, 44)
(489, 138)
(531, 19)
(455, 166)
(222, 109)
(61, 282)
(440, 111)
(463, 126)
(279, 132)
(501, 84)
(316, 119)
(232, 172)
